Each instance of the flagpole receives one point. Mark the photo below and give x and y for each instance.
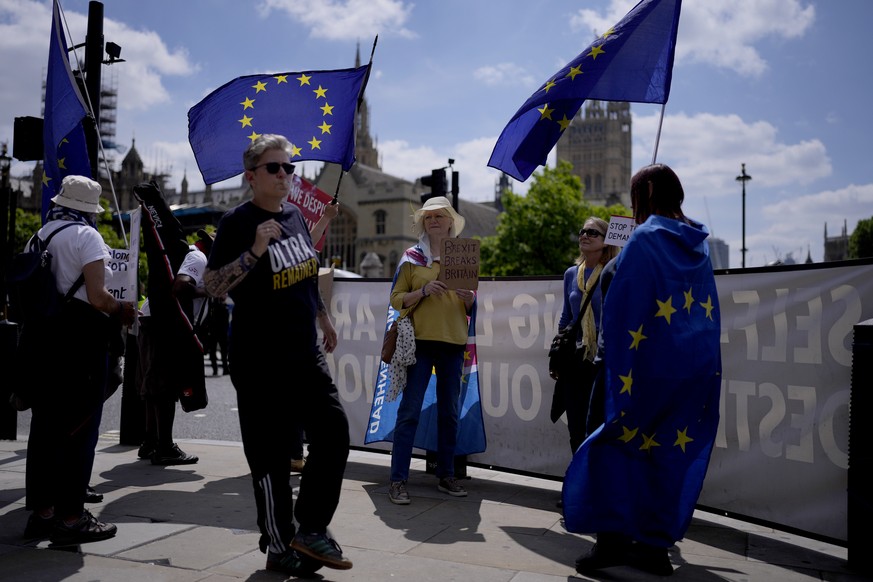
(658, 136)
(360, 101)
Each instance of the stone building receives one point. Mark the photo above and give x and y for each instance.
(598, 144)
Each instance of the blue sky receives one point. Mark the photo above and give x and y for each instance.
(780, 85)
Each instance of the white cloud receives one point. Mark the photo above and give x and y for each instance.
(722, 33)
(709, 164)
(347, 19)
(503, 74)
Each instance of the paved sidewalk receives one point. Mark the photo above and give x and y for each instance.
(197, 522)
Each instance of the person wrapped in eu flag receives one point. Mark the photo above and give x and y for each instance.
(635, 480)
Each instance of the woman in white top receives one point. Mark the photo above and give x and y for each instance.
(71, 375)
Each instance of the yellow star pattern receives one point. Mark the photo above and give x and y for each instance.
(689, 300)
(246, 121)
(259, 86)
(708, 306)
(626, 382)
(295, 151)
(467, 355)
(45, 179)
(545, 112)
(665, 309)
(314, 143)
(248, 104)
(254, 136)
(574, 71)
(638, 337)
(304, 79)
(320, 92)
(649, 442)
(628, 434)
(564, 123)
(281, 79)
(595, 51)
(62, 163)
(549, 85)
(608, 32)
(324, 127)
(327, 109)
(682, 438)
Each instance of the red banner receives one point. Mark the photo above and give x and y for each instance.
(308, 198)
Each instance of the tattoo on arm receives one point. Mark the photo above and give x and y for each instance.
(220, 281)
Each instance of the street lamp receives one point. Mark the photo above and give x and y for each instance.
(744, 177)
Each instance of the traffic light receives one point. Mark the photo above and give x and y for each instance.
(436, 182)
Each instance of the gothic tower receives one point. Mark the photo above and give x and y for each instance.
(599, 147)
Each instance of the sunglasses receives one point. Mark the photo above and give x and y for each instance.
(273, 167)
(591, 232)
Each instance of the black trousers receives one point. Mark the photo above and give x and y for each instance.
(67, 409)
(576, 391)
(274, 400)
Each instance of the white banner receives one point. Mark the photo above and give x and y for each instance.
(786, 347)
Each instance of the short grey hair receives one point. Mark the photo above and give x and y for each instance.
(262, 143)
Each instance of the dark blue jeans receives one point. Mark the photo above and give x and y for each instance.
(447, 360)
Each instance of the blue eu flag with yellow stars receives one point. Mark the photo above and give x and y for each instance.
(641, 472)
(64, 148)
(314, 110)
(632, 61)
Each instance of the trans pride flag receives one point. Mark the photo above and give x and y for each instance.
(383, 413)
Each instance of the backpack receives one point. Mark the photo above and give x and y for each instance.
(33, 292)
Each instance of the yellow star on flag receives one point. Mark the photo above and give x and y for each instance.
(564, 123)
(248, 104)
(545, 112)
(689, 300)
(627, 434)
(665, 309)
(327, 109)
(682, 438)
(626, 382)
(304, 79)
(649, 442)
(320, 92)
(314, 143)
(62, 163)
(260, 86)
(295, 151)
(324, 127)
(577, 70)
(638, 337)
(549, 85)
(254, 136)
(595, 51)
(281, 79)
(708, 306)
(246, 121)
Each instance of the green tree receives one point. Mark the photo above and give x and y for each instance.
(537, 233)
(861, 241)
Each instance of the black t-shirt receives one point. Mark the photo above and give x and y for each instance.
(275, 305)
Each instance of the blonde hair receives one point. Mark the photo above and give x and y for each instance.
(609, 251)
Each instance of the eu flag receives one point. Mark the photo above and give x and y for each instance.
(641, 472)
(315, 110)
(64, 146)
(632, 61)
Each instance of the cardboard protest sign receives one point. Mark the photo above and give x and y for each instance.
(620, 230)
(459, 263)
